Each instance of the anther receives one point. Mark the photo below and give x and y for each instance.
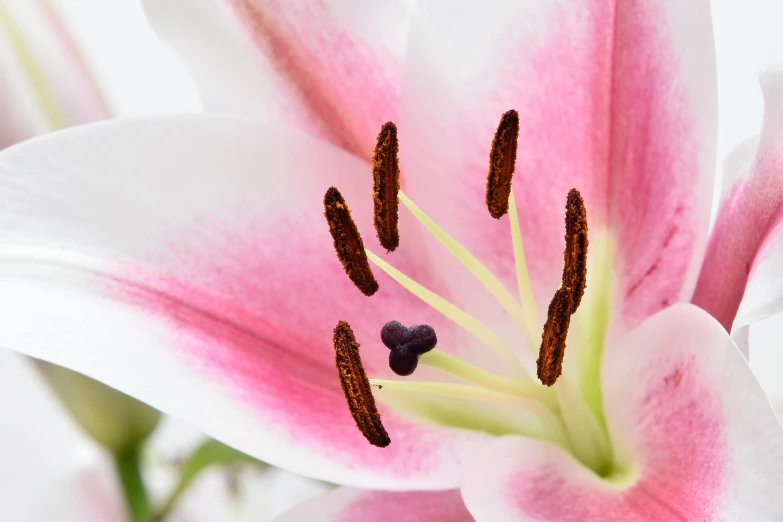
(502, 159)
(407, 344)
(356, 387)
(553, 340)
(575, 253)
(386, 185)
(348, 243)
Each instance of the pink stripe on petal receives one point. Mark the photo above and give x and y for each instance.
(330, 69)
(197, 274)
(344, 86)
(258, 318)
(261, 314)
(741, 264)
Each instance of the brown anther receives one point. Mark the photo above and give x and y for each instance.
(356, 386)
(553, 340)
(502, 159)
(575, 253)
(386, 185)
(348, 243)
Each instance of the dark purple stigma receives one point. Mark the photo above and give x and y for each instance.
(406, 344)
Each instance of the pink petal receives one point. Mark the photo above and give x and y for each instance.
(356, 505)
(684, 408)
(64, 93)
(739, 283)
(330, 70)
(185, 261)
(615, 98)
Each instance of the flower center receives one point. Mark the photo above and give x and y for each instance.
(471, 397)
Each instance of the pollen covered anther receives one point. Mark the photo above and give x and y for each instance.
(386, 185)
(575, 253)
(348, 243)
(553, 340)
(356, 386)
(502, 159)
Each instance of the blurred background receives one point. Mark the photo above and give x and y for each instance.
(47, 464)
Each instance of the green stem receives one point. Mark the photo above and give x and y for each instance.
(128, 468)
(209, 453)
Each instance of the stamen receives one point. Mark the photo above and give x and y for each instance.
(575, 253)
(502, 159)
(348, 243)
(386, 184)
(553, 340)
(356, 387)
(523, 275)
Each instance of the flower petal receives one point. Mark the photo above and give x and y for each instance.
(355, 505)
(698, 438)
(45, 83)
(615, 98)
(739, 283)
(330, 69)
(185, 261)
(89, 494)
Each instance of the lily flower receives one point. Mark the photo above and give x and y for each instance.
(185, 259)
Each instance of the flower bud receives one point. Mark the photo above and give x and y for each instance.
(114, 420)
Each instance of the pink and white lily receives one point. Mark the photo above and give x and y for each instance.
(185, 261)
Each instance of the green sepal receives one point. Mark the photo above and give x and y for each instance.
(114, 420)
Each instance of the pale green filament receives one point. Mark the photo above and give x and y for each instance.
(552, 426)
(466, 371)
(447, 389)
(591, 329)
(39, 86)
(589, 443)
(477, 268)
(523, 276)
(454, 313)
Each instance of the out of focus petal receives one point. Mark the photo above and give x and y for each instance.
(332, 69)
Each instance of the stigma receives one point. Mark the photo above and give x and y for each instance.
(406, 344)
